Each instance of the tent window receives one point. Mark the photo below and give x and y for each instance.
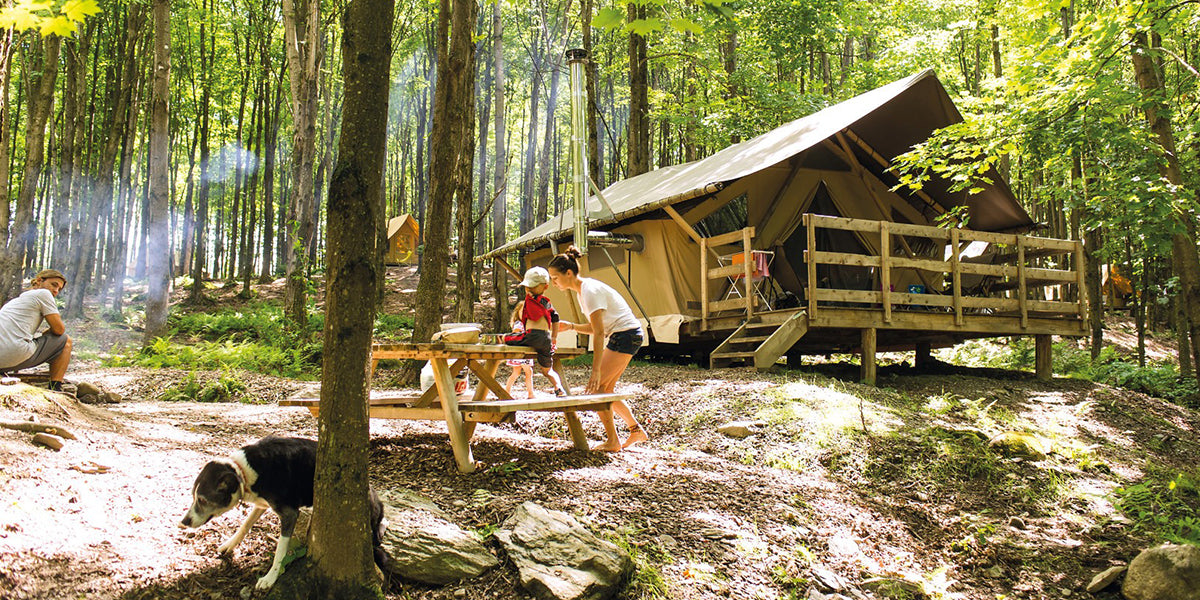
(731, 217)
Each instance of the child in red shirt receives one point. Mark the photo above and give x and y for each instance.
(538, 317)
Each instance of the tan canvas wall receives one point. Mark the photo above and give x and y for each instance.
(663, 278)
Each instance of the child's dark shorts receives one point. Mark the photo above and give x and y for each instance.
(625, 342)
(538, 339)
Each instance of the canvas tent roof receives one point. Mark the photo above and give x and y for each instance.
(890, 119)
(406, 221)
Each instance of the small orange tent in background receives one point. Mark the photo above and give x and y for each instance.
(403, 234)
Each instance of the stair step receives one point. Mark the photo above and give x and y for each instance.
(757, 325)
(750, 339)
(720, 355)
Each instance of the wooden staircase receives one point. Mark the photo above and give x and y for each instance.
(758, 343)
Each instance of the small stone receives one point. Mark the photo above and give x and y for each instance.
(739, 429)
(1065, 592)
(827, 580)
(84, 388)
(994, 572)
(1017, 523)
(460, 593)
(245, 593)
(1104, 579)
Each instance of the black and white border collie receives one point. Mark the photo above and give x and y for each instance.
(275, 473)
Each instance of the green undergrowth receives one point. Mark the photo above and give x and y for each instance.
(226, 387)
(1112, 367)
(255, 337)
(1164, 504)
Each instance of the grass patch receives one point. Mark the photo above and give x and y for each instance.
(1165, 505)
(647, 581)
(225, 388)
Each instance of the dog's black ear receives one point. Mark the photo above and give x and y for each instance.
(228, 484)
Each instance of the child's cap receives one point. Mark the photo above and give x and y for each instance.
(536, 276)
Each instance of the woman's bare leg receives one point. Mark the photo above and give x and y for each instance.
(612, 366)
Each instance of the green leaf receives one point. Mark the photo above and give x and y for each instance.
(686, 26)
(77, 10)
(645, 27)
(608, 18)
(60, 26)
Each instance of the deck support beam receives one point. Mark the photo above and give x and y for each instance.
(923, 356)
(1043, 353)
(869, 339)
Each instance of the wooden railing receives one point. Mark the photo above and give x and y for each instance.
(1019, 276)
(708, 247)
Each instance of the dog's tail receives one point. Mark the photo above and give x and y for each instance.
(378, 527)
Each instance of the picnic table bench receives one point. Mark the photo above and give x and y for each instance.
(441, 403)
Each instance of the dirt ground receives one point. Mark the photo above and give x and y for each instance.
(716, 517)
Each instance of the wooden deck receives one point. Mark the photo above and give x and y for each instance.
(1016, 291)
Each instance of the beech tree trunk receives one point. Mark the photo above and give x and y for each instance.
(44, 66)
(1183, 243)
(302, 37)
(340, 544)
(500, 174)
(639, 100)
(159, 242)
(451, 101)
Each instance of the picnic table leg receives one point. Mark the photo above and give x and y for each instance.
(576, 429)
(487, 380)
(459, 438)
(558, 368)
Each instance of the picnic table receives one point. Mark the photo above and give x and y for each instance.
(441, 403)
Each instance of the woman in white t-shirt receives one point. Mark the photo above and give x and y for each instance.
(20, 318)
(618, 336)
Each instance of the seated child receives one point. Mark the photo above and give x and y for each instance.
(538, 317)
(519, 365)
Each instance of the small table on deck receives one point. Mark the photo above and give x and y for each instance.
(460, 417)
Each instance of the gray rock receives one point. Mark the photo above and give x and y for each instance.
(1168, 571)
(425, 546)
(740, 429)
(84, 388)
(1021, 444)
(891, 587)
(1104, 579)
(827, 581)
(558, 559)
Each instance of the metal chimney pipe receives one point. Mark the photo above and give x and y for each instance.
(576, 59)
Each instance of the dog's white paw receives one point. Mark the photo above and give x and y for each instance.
(266, 581)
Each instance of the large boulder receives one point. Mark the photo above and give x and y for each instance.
(558, 559)
(425, 546)
(1168, 571)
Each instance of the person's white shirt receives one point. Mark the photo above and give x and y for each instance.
(596, 295)
(19, 322)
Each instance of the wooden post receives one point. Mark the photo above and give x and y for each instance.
(810, 257)
(885, 272)
(1081, 285)
(578, 437)
(748, 270)
(956, 275)
(868, 355)
(703, 284)
(923, 355)
(1022, 293)
(1043, 354)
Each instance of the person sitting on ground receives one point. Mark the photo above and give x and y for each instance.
(20, 318)
(519, 365)
(540, 322)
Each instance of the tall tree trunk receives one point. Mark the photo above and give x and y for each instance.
(159, 236)
(452, 98)
(465, 282)
(526, 218)
(544, 167)
(301, 22)
(7, 48)
(591, 118)
(500, 174)
(44, 66)
(272, 142)
(200, 227)
(1183, 243)
(639, 100)
(74, 119)
(341, 534)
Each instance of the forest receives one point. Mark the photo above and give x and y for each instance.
(196, 171)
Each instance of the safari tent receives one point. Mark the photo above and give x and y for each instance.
(403, 234)
(837, 256)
